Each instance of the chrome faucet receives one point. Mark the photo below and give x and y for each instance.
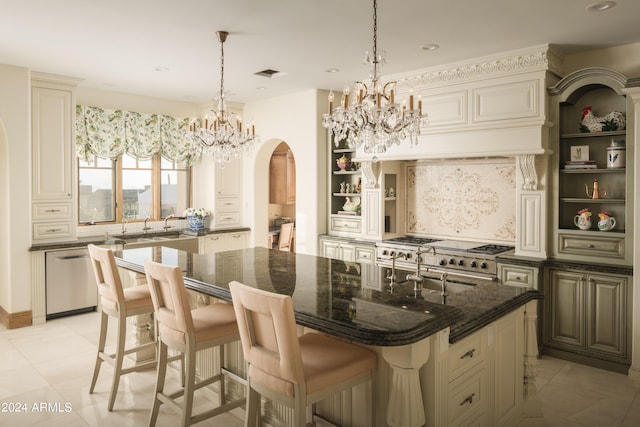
(392, 276)
(124, 222)
(417, 278)
(166, 227)
(145, 228)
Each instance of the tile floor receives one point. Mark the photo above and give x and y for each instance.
(46, 370)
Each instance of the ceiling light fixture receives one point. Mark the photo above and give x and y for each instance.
(373, 120)
(431, 46)
(600, 6)
(222, 136)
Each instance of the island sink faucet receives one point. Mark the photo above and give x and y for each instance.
(167, 227)
(392, 276)
(124, 228)
(417, 278)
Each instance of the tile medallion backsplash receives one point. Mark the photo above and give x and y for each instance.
(462, 200)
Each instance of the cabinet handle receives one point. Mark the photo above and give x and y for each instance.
(468, 354)
(53, 230)
(236, 236)
(590, 246)
(468, 399)
(53, 210)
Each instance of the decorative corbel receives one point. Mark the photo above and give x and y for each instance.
(369, 170)
(527, 164)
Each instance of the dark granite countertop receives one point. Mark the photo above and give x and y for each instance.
(117, 239)
(346, 299)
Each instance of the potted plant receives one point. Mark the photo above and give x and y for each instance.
(196, 217)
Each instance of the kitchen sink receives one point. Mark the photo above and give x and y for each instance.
(185, 243)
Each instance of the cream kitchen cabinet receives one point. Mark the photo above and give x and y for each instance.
(347, 249)
(479, 377)
(588, 317)
(219, 242)
(54, 212)
(228, 188)
(337, 249)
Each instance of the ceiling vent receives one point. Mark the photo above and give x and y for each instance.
(268, 73)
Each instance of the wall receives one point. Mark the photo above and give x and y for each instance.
(15, 291)
(296, 120)
(623, 59)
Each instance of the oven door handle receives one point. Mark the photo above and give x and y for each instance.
(457, 273)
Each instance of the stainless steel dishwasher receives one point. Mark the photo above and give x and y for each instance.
(70, 282)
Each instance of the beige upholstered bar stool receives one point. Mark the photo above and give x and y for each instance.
(118, 303)
(187, 331)
(294, 371)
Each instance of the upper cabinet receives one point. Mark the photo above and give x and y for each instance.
(282, 178)
(53, 161)
(592, 168)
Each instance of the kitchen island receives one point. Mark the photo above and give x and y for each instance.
(418, 333)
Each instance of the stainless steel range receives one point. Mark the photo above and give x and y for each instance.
(418, 254)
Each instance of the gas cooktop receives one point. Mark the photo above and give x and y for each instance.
(452, 245)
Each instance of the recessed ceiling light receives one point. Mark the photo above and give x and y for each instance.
(261, 88)
(332, 70)
(600, 6)
(431, 46)
(161, 69)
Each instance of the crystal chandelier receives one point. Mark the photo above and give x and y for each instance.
(373, 120)
(222, 136)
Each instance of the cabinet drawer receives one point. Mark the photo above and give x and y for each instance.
(364, 254)
(517, 275)
(52, 230)
(467, 397)
(227, 204)
(228, 218)
(51, 211)
(466, 353)
(609, 246)
(339, 223)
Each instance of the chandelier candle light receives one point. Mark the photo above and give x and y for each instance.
(373, 120)
(222, 136)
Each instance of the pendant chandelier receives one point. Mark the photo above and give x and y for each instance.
(373, 120)
(222, 136)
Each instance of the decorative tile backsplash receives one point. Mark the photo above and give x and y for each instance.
(463, 200)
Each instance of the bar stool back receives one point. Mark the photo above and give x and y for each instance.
(294, 371)
(118, 303)
(187, 331)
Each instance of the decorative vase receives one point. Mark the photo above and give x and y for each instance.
(583, 219)
(616, 154)
(606, 222)
(343, 162)
(196, 223)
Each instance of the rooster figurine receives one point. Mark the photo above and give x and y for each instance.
(613, 121)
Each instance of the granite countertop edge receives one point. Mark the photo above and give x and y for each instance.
(118, 239)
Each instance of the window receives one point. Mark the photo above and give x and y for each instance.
(154, 188)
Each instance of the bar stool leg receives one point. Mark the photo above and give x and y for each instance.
(104, 321)
(253, 408)
(160, 378)
(190, 361)
(118, 359)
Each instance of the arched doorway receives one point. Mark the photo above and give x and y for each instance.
(282, 190)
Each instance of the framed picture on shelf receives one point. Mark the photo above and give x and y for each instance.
(579, 153)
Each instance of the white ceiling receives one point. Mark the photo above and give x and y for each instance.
(117, 45)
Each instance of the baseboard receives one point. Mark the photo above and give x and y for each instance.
(15, 320)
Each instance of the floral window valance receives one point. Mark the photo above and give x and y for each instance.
(107, 134)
